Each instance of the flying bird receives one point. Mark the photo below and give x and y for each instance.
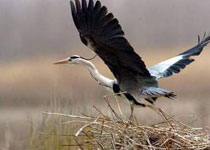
(102, 33)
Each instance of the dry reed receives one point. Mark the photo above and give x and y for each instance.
(105, 133)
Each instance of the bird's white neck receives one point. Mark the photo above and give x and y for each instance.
(102, 80)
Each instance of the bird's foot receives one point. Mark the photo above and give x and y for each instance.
(131, 119)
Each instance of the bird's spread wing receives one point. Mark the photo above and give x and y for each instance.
(179, 62)
(100, 31)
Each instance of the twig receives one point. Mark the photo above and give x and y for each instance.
(99, 112)
(85, 126)
(78, 143)
(96, 140)
(113, 142)
(65, 115)
(112, 109)
(118, 105)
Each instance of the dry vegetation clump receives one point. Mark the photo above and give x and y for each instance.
(105, 133)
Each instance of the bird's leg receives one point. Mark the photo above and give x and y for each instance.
(165, 117)
(132, 110)
(160, 112)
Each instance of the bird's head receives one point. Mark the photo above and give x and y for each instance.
(74, 59)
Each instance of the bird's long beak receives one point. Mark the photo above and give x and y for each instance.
(64, 61)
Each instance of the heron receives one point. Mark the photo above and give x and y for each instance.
(101, 32)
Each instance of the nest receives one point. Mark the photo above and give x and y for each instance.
(105, 133)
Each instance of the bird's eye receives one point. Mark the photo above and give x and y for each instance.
(74, 57)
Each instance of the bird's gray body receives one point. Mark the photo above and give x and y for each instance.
(137, 83)
(137, 88)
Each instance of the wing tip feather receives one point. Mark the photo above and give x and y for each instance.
(84, 4)
(78, 5)
(91, 4)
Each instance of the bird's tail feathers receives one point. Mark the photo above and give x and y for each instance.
(151, 94)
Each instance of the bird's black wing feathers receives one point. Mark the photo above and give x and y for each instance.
(100, 31)
(196, 50)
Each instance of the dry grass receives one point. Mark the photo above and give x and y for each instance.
(64, 131)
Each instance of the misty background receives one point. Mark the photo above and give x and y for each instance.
(34, 28)
(35, 33)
